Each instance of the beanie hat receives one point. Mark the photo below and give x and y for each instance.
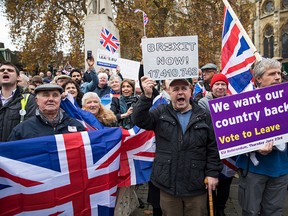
(218, 77)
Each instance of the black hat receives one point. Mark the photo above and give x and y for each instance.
(48, 87)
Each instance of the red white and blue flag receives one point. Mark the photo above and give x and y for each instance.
(145, 16)
(237, 55)
(237, 58)
(107, 40)
(69, 174)
(138, 153)
(137, 156)
(88, 120)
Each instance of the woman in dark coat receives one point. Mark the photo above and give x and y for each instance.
(123, 106)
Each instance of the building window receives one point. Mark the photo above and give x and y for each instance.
(268, 7)
(285, 41)
(268, 42)
(285, 3)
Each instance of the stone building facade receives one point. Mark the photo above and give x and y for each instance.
(271, 29)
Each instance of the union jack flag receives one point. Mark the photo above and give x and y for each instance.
(67, 174)
(237, 58)
(107, 40)
(138, 153)
(137, 156)
(145, 16)
(88, 120)
(237, 55)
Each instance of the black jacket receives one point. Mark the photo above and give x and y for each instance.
(36, 127)
(182, 160)
(126, 123)
(9, 113)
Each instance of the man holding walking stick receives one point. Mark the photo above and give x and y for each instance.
(186, 150)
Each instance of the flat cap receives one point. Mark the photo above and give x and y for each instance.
(209, 66)
(48, 87)
(62, 77)
(182, 80)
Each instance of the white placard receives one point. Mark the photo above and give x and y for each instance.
(170, 57)
(106, 58)
(129, 69)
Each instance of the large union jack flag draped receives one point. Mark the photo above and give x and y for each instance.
(69, 174)
(237, 55)
(76, 173)
(107, 40)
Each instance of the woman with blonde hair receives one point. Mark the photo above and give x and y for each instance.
(92, 103)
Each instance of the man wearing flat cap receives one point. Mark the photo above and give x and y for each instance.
(202, 89)
(49, 118)
(60, 80)
(208, 71)
(186, 151)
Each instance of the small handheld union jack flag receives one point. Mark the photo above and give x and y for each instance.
(107, 40)
(145, 16)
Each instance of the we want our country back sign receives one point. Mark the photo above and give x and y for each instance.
(246, 121)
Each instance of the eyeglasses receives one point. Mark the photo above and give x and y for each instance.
(8, 69)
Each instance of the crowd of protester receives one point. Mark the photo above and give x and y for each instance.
(30, 107)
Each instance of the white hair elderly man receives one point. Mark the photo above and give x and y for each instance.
(23, 81)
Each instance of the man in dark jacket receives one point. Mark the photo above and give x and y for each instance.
(186, 151)
(14, 106)
(49, 119)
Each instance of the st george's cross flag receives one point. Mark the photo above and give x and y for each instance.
(107, 40)
(237, 55)
(66, 174)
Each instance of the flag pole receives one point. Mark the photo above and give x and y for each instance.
(242, 30)
(144, 23)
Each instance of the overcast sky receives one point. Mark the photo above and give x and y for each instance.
(4, 30)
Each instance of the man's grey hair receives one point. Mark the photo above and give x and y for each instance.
(24, 77)
(115, 77)
(100, 75)
(262, 66)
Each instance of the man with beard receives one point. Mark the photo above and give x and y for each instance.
(76, 76)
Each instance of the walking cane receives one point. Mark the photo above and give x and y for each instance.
(211, 209)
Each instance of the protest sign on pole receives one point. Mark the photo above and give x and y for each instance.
(106, 58)
(246, 121)
(129, 69)
(170, 57)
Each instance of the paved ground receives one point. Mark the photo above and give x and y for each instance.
(232, 206)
